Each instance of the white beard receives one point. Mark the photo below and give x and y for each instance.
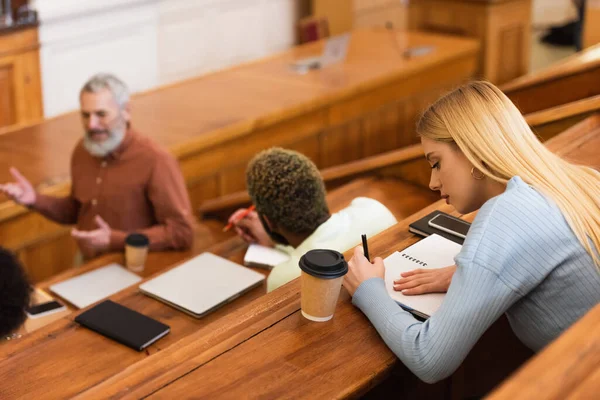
(105, 148)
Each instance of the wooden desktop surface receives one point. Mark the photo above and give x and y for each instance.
(64, 349)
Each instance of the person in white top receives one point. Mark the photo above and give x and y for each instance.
(292, 213)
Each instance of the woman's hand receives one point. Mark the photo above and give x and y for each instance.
(360, 269)
(422, 281)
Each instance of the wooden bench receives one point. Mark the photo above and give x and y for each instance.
(386, 176)
(575, 78)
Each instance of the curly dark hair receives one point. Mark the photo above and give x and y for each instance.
(15, 293)
(287, 188)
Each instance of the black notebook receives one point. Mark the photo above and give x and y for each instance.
(123, 325)
(421, 227)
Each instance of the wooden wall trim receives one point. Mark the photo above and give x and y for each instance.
(565, 111)
(585, 60)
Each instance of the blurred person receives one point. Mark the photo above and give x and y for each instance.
(15, 293)
(121, 181)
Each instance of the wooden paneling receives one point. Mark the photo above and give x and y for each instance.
(20, 85)
(338, 14)
(507, 41)
(342, 144)
(310, 147)
(511, 53)
(574, 78)
(591, 27)
(203, 189)
(215, 124)
(7, 95)
(380, 130)
(61, 251)
(385, 14)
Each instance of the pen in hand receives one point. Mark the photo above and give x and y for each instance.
(242, 216)
(365, 247)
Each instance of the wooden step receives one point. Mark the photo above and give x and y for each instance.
(401, 198)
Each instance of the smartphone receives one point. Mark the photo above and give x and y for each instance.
(453, 226)
(43, 309)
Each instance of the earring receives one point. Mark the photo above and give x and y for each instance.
(475, 176)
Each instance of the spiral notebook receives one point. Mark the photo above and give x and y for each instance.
(432, 252)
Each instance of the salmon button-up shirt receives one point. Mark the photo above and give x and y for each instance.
(137, 188)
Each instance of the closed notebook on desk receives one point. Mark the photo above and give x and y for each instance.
(123, 325)
(432, 252)
(421, 227)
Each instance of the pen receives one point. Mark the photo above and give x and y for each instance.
(365, 247)
(244, 214)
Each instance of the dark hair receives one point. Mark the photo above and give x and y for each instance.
(14, 293)
(287, 188)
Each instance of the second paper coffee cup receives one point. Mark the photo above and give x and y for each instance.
(136, 251)
(321, 280)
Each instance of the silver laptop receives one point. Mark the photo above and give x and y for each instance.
(334, 52)
(93, 286)
(202, 284)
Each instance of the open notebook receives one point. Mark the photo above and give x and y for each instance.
(264, 257)
(432, 252)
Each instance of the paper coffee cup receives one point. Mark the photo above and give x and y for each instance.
(321, 281)
(136, 251)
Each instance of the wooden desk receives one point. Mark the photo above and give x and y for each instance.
(502, 26)
(62, 359)
(215, 124)
(282, 353)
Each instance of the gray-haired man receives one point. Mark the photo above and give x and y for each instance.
(121, 181)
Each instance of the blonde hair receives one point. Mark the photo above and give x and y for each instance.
(493, 135)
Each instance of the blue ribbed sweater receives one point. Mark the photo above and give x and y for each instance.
(520, 258)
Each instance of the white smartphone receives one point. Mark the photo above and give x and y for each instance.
(44, 309)
(451, 225)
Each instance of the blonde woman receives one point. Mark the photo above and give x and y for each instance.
(532, 251)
